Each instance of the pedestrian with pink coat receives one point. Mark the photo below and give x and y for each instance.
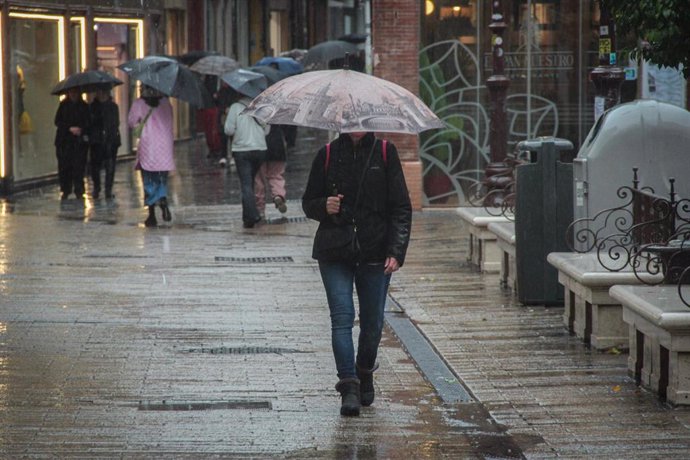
(151, 117)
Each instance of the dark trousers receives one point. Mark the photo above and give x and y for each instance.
(247, 164)
(103, 156)
(71, 159)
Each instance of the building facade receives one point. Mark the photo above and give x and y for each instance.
(550, 49)
(42, 43)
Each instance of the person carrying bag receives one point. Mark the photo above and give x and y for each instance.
(358, 195)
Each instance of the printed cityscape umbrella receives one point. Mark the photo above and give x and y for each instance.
(285, 64)
(170, 77)
(319, 56)
(246, 82)
(272, 74)
(344, 101)
(215, 65)
(86, 81)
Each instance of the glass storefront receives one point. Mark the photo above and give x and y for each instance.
(118, 41)
(550, 48)
(38, 60)
(35, 66)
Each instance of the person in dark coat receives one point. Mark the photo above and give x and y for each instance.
(105, 140)
(358, 179)
(71, 143)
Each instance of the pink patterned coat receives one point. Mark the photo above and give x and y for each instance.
(155, 151)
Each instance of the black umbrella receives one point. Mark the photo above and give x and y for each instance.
(86, 81)
(170, 77)
(354, 38)
(193, 56)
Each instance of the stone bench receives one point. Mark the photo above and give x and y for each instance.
(483, 250)
(659, 331)
(505, 240)
(590, 312)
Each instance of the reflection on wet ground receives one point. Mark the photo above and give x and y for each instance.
(225, 332)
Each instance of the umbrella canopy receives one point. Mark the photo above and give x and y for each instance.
(87, 81)
(246, 82)
(193, 56)
(215, 65)
(170, 77)
(272, 74)
(343, 101)
(284, 64)
(319, 56)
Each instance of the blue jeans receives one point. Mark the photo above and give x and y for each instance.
(372, 286)
(155, 186)
(247, 164)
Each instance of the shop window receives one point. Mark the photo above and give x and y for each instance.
(36, 44)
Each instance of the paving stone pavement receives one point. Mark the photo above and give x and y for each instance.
(201, 339)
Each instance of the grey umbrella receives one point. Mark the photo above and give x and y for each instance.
(86, 81)
(170, 77)
(246, 82)
(320, 55)
(215, 65)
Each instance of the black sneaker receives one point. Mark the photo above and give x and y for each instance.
(163, 203)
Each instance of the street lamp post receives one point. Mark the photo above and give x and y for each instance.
(496, 172)
(608, 76)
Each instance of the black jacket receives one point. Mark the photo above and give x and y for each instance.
(384, 213)
(105, 123)
(71, 114)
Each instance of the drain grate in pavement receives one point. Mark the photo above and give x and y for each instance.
(446, 383)
(203, 405)
(243, 350)
(254, 260)
(286, 220)
(116, 256)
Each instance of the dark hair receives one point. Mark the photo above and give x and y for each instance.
(152, 101)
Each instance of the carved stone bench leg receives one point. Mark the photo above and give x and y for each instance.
(582, 324)
(678, 391)
(608, 328)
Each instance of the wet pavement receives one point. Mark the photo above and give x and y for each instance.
(201, 339)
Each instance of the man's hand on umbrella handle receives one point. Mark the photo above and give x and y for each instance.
(391, 265)
(333, 204)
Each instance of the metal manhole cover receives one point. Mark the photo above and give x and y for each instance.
(254, 260)
(203, 405)
(243, 350)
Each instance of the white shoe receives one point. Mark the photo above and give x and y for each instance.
(279, 201)
(223, 162)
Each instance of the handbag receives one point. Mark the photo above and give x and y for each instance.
(340, 242)
(139, 128)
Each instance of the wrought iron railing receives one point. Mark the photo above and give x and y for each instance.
(647, 233)
(497, 191)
